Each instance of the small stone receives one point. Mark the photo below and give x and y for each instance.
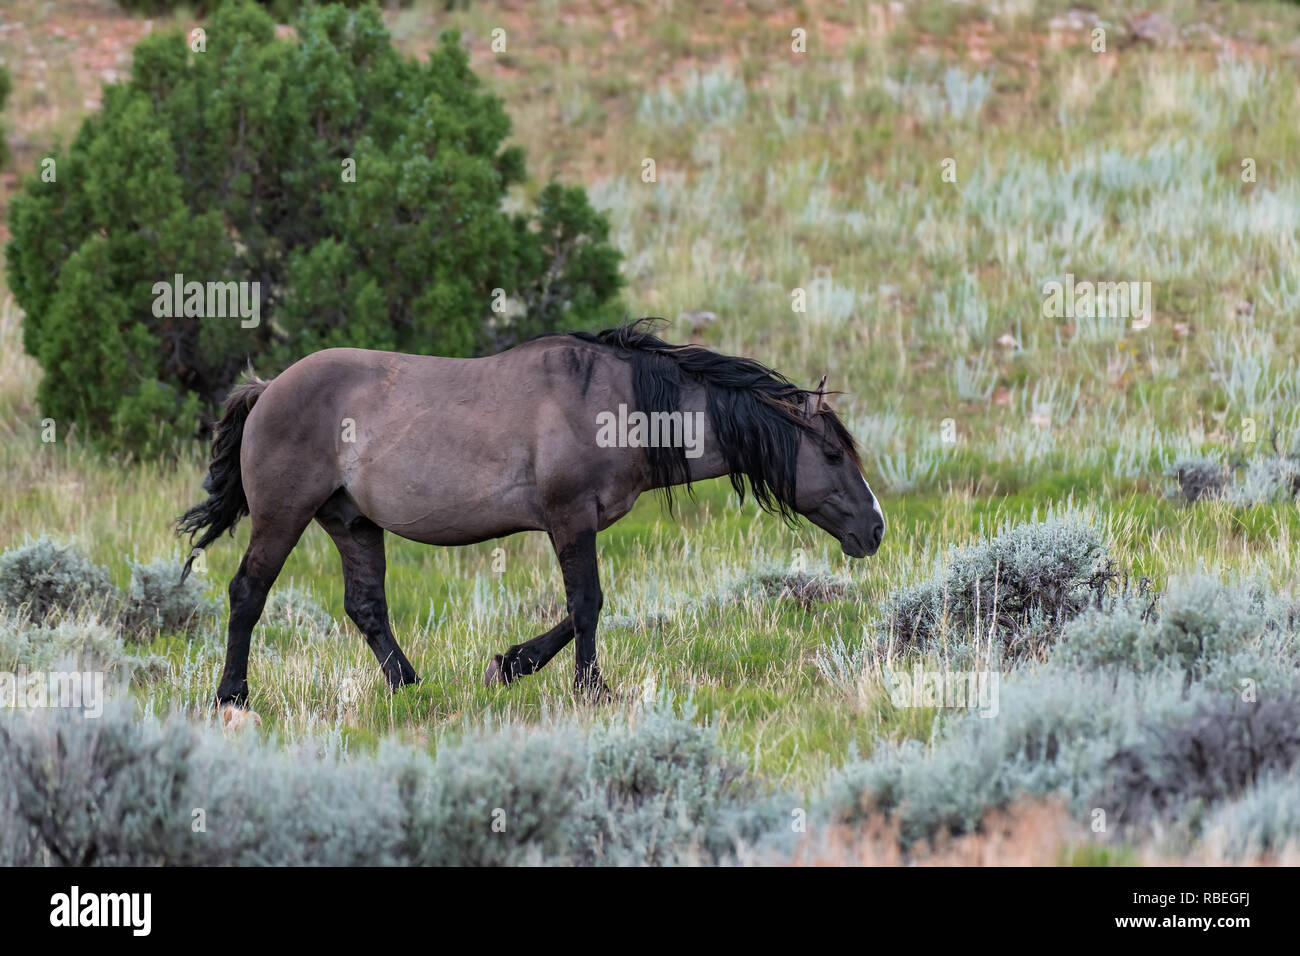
(1152, 28)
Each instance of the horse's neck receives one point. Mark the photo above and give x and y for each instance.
(710, 463)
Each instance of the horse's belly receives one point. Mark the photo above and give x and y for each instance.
(450, 511)
(453, 528)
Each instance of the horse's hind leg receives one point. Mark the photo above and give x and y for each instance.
(530, 656)
(268, 547)
(361, 546)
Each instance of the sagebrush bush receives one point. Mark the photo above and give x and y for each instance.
(125, 791)
(1267, 480)
(1023, 584)
(1198, 477)
(46, 578)
(157, 600)
(104, 791)
(120, 791)
(1201, 625)
(1182, 769)
(1055, 734)
(1150, 749)
(526, 782)
(85, 641)
(664, 791)
(362, 190)
(1265, 819)
(297, 609)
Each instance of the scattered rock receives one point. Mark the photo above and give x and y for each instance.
(1153, 28)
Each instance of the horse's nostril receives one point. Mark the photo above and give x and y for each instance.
(877, 533)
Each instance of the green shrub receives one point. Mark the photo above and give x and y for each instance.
(281, 10)
(228, 166)
(1023, 584)
(156, 7)
(45, 578)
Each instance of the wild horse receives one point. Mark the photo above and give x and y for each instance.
(454, 451)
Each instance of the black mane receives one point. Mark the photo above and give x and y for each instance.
(757, 413)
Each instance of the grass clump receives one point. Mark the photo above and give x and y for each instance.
(806, 585)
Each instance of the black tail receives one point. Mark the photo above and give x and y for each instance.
(226, 503)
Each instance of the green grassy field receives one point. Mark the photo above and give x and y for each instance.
(820, 171)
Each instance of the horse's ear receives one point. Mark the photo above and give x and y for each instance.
(816, 398)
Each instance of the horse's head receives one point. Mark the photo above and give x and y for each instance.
(830, 489)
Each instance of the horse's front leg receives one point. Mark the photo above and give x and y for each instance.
(576, 550)
(530, 656)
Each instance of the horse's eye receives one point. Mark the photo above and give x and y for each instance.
(834, 455)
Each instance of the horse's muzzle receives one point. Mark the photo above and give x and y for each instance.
(855, 547)
(859, 547)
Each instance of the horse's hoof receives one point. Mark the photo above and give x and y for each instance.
(237, 718)
(495, 672)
